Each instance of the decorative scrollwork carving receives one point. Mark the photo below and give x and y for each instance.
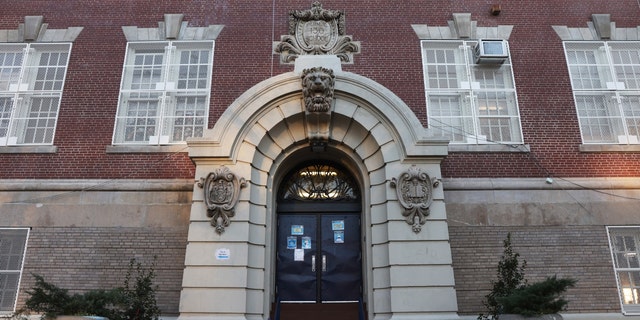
(415, 194)
(316, 31)
(221, 193)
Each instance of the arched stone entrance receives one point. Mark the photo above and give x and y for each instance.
(407, 273)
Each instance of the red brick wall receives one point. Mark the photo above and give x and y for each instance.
(579, 252)
(390, 55)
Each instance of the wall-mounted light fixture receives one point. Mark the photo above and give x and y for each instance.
(495, 9)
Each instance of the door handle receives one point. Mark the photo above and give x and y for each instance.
(313, 263)
(324, 263)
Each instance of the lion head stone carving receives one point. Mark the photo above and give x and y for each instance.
(317, 89)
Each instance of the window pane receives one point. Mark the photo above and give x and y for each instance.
(444, 65)
(147, 71)
(631, 110)
(138, 119)
(450, 117)
(47, 66)
(8, 290)
(12, 247)
(11, 57)
(629, 287)
(625, 57)
(492, 77)
(496, 103)
(588, 65)
(599, 118)
(6, 105)
(188, 119)
(36, 122)
(193, 70)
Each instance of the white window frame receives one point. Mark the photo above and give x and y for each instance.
(167, 87)
(22, 120)
(12, 293)
(631, 291)
(470, 119)
(613, 116)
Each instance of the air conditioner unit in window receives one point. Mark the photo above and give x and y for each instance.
(490, 51)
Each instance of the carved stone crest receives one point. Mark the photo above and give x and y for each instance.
(221, 192)
(316, 31)
(415, 194)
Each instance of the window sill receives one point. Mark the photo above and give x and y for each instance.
(519, 148)
(28, 149)
(147, 149)
(610, 148)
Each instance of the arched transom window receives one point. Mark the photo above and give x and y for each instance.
(319, 181)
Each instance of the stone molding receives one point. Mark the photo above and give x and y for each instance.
(172, 28)
(96, 185)
(414, 140)
(570, 183)
(600, 28)
(461, 27)
(35, 30)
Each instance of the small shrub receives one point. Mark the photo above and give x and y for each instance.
(136, 300)
(139, 293)
(52, 301)
(511, 294)
(47, 299)
(510, 278)
(538, 298)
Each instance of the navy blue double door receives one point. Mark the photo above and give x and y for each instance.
(319, 257)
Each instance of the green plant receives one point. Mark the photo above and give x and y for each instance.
(52, 301)
(510, 278)
(136, 300)
(538, 298)
(47, 298)
(139, 293)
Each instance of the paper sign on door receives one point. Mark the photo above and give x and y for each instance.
(298, 255)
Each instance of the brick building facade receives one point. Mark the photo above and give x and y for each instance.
(548, 150)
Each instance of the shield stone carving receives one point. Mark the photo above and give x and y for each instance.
(415, 193)
(221, 193)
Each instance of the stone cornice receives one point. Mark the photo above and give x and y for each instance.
(35, 30)
(572, 183)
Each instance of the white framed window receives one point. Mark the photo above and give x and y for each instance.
(13, 247)
(605, 77)
(31, 82)
(164, 93)
(624, 243)
(468, 102)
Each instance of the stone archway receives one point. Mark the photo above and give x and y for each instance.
(229, 274)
